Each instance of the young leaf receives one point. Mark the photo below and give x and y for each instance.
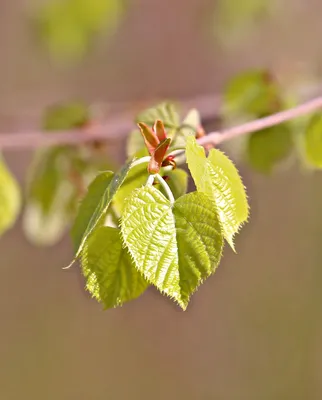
(88, 205)
(158, 156)
(10, 198)
(102, 203)
(159, 130)
(217, 177)
(166, 112)
(190, 126)
(175, 247)
(135, 144)
(268, 147)
(313, 141)
(252, 92)
(150, 138)
(110, 274)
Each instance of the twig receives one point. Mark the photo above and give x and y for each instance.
(216, 138)
(116, 128)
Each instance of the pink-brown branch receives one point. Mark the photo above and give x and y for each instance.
(116, 127)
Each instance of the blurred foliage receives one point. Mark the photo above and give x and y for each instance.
(255, 94)
(65, 116)
(68, 27)
(58, 177)
(234, 20)
(268, 147)
(313, 141)
(10, 198)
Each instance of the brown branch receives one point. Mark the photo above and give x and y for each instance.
(119, 126)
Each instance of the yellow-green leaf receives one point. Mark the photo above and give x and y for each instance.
(111, 276)
(217, 176)
(175, 246)
(313, 141)
(10, 198)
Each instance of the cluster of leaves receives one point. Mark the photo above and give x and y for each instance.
(139, 227)
(68, 27)
(256, 94)
(133, 229)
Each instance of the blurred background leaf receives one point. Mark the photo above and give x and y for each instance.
(268, 147)
(10, 198)
(313, 141)
(235, 20)
(66, 116)
(68, 27)
(251, 93)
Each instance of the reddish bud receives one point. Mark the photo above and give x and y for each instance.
(158, 156)
(158, 128)
(150, 138)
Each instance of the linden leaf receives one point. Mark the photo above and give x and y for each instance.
(251, 92)
(175, 246)
(135, 144)
(166, 112)
(313, 141)
(110, 275)
(102, 196)
(10, 198)
(217, 176)
(268, 147)
(190, 126)
(88, 205)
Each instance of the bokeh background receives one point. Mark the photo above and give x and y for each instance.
(253, 331)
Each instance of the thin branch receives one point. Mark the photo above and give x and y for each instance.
(118, 127)
(216, 138)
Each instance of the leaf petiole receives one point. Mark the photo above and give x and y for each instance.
(141, 160)
(165, 186)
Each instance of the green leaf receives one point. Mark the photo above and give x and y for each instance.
(49, 196)
(68, 27)
(175, 247)
(110, 275)
(135, 178)
(178, 183)
(166, 112)
(66, 116)
(10, 198)
(135, 144)
(252, 92)
(88, 205)
(266, 148)
(313, 141)
(217, 176)
(190, 125)
(102, 196)
(236, 20)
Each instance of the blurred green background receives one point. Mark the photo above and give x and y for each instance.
(253, 330)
